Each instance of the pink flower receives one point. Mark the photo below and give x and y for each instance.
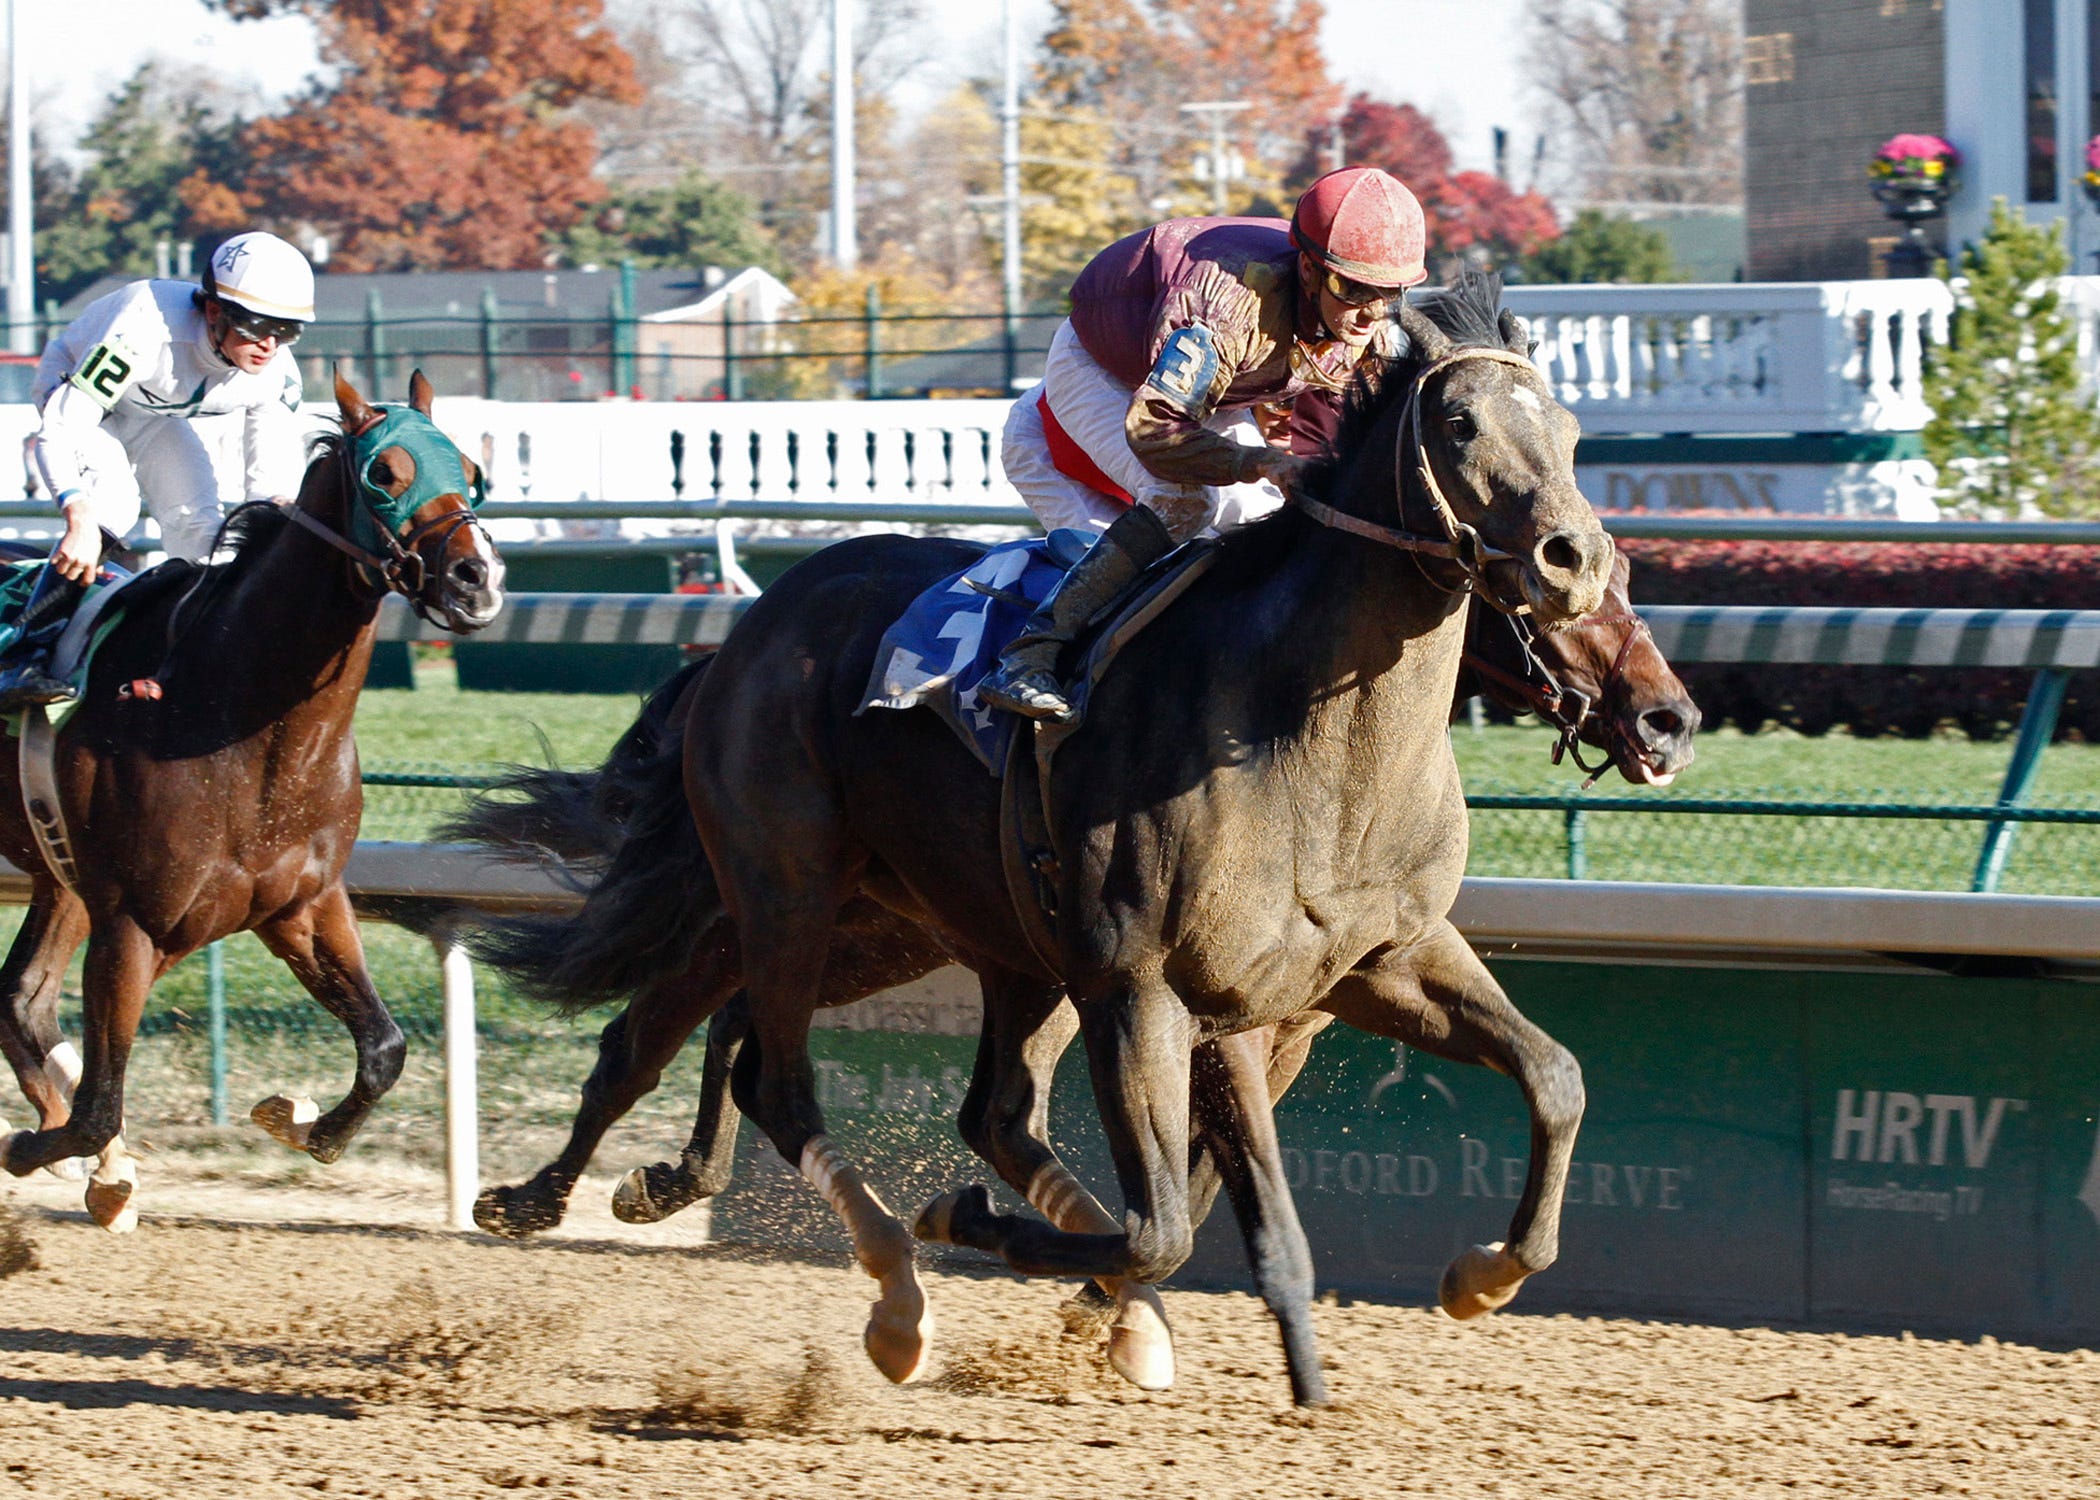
(2092, 153)
(1913, 147)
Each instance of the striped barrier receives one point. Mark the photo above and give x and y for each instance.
(2035, 639)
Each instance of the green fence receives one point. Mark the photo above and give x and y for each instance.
(1838, 1148)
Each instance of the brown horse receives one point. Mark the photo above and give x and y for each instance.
(1643, 722)
(224, 797)
(1235, 844)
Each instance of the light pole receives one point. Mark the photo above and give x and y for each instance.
(21, 222)
(845, 238)
(1010, 171)
(1217, 110)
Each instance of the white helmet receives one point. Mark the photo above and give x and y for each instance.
(264, 274)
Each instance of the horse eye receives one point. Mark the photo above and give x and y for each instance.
(1459, 425)
(380, 473)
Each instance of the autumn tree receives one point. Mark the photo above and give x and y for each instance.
(1474, 218)
(1128, 66)
(442, 137)
(160, 127)
(1647, 94)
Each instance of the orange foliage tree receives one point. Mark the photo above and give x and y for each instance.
(1132, 64)
(440, 140)
(1472, 216)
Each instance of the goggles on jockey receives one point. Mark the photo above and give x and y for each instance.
(1362, 294)
(254, 327)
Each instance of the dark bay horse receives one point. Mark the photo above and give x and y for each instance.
(209, 782)
(1260, 816)
(1600, 680)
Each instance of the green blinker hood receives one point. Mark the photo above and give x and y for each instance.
(440, 470)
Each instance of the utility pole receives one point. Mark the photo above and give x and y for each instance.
(845, 239)
(1010, 171)
(21, 222)
(1217, 110)
(1337, 147)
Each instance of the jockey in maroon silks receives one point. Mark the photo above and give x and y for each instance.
(1168, 395)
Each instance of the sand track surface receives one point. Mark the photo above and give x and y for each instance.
(205, 1357)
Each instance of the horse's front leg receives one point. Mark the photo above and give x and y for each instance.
(1439, 996)
(122, 963)
(1235, 1121)
(45, 1064)
(319, 943)
(1138, 1051)
(1006, 1121)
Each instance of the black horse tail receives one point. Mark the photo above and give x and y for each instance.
(562, 819)
(653, 897)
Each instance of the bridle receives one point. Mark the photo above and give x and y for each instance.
(401, 570)
(1459, 542)
(1564, 708)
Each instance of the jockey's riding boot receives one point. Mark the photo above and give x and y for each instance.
(25, 666)
(1025, 680)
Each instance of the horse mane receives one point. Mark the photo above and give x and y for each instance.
(1468, 311)
(250, 529)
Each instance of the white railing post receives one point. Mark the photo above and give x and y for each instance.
(462, 1104)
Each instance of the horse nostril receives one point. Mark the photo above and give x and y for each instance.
(470, 572)
(1560, 553)
(1659, 726)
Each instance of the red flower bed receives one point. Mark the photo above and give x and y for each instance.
(1905, 575)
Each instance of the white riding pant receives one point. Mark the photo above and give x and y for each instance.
(173, 467)
(1090, 405)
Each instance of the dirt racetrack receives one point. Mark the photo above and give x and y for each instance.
(206, 1357)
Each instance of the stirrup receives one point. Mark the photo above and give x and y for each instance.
(26, 686)
(1031, 694)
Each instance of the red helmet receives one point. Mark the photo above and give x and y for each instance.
(1363, 224)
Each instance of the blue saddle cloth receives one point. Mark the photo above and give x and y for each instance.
(951, 637)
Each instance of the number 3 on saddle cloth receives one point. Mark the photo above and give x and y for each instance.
(951, 636)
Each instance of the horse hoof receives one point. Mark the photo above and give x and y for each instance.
(1088, 1312)
(941, 1221)
(509, 1214)
(1480, 1281)
(631, 1203)
(899, 1335)
(286, 1119)
(1140, 1347)
(109, 1196)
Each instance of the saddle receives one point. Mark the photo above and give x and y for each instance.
(949, 639)
(1028, 853)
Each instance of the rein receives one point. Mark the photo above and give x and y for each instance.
(1564, 708)
(1459, 542)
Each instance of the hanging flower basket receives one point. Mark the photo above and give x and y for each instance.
(1914, 175)
(2091, 181)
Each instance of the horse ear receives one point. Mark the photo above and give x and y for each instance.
(1516, 335)
(357, 412)
(420, 394)
(1429, 341)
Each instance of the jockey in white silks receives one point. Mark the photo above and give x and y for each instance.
(178, 398)
(1167, 397)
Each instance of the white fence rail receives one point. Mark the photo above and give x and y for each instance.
(1810, 357)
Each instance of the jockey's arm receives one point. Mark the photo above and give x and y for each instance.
(1165, 422)
(274, 442)
(69, 417)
